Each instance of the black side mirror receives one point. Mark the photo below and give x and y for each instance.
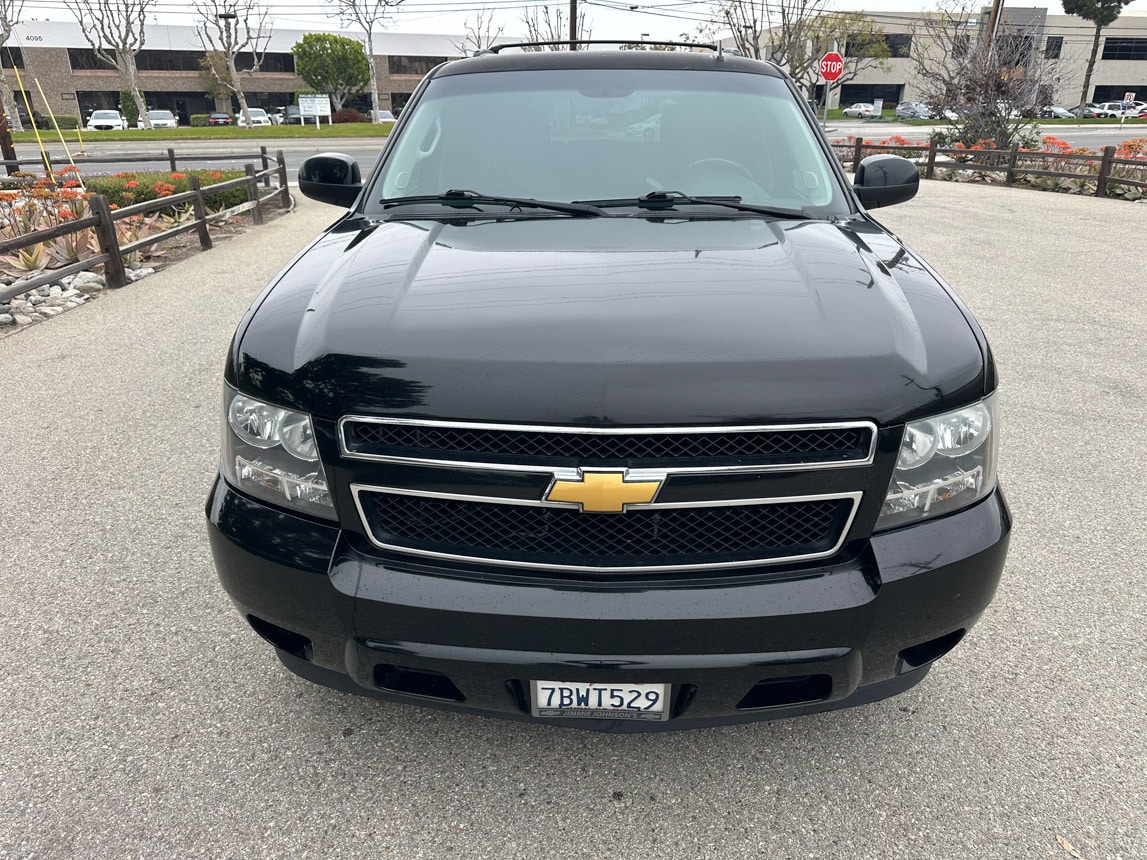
(882, 180)
(330, 177)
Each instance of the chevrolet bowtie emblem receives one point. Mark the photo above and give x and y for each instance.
(603, 492)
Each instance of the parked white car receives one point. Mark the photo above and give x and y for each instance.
(106, 120)
(1116, 110)
(159, 119)
(258, 117)
(860, 110)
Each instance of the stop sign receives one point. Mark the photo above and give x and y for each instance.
(831, 66)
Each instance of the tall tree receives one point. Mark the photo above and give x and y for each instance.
(544, 24)
(1101, 13)
(369, 15)
(115, 30)
(10, 12)
(226, 29)
(480, 33)
(986, 90)
(335, 65)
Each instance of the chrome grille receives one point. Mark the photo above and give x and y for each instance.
(830, 444)
(653, 537)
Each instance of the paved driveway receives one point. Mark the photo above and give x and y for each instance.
(142, 719)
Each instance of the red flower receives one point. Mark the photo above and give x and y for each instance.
(131, 184)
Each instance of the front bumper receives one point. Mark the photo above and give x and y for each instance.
(736, 648)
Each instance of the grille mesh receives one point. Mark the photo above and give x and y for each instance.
(647, 449)
(645, 537)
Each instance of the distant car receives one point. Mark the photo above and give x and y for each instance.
(1054, 112)
(219, 118)
(159, 119)
(1087, 111)
(913, 110)
(292, 115)
(647, 129)
(258, 117)
(385, 116)
(1115, 110)
(107, 120)
(859, 110)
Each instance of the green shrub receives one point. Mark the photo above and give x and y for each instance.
(124, 189)
(127, 107)
(199, 120)
(67, 121)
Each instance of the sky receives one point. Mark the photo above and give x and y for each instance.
(610, 19)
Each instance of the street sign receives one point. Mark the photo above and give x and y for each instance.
(831, 66)
(1129, 97)
(312, 104)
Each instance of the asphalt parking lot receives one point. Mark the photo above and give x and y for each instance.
(142, 719)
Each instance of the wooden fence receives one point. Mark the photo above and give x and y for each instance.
(1012, 162)
(103, 220)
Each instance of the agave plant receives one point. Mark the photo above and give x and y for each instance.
(73, 247)
(27, 260)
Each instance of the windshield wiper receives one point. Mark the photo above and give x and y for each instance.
(461, 198)
(662, 200)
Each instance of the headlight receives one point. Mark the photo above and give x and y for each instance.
(946, 463)
(270, 453)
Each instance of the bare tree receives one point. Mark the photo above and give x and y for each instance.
(10, 12)
(480, 34)
(226, 29)
(546, 25)
(115, 30)
(369, 15)
(987, 88)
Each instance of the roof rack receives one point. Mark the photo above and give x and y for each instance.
(494, 49)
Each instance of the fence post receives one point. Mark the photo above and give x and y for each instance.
(930, 166)
(109, 241)
(266, 166)
(856, 153)
(171, 158)
(1104, 171)
(253, 192)
(1010, 176)
(200, 210)
(284, 192)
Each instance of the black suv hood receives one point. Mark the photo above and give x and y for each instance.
(626, 321)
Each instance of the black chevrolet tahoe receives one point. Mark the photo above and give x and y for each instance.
(607, 404)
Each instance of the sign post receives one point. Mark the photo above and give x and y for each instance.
(831, 68)
(316, 105)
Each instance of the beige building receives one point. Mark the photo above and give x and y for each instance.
(1064, 40)
(55, 58)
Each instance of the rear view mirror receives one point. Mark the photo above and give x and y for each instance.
(330, 177)
(882, 180)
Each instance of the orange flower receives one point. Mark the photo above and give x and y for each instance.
(179, 176)
(131, 184)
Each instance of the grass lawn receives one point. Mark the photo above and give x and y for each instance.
(217, 132)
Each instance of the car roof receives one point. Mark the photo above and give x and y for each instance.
(706, 60)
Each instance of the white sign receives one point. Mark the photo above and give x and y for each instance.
(878, 106)
(314, 105)
(1129, 97)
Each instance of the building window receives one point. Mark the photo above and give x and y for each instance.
(899, 44)
(12, 58)
(1115, 92)
(1124, 48)
(276, 63)
(85, 60)
(1053, 48)
(168, 61)
(420, 66)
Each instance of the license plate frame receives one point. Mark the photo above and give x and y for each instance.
(584, 697)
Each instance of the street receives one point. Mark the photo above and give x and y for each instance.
(144, 719)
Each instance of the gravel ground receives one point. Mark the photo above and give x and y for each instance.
(143, 720)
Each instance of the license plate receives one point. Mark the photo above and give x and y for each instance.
(600, 701)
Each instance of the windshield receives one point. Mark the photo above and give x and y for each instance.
(611, 135)
(105, 114)
(160, 114)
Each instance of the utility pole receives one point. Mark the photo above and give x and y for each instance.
(573, 25)
(993, 22)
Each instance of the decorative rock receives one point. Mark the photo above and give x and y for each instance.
(18, 303)
(43, 291)
(49, 311)
(88, 278)
(6, 319)
(55, 290)
(90, 287)
(37, 299)
(22, 320)
(71, 294)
